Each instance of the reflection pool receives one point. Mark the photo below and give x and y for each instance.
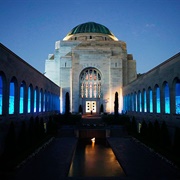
(94, 159)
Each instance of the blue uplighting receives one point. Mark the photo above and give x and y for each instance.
(167, 99)
(140, 102)
(35, 100)
(44, 102)
(158, 103)
(132, 102)
(29, 100)
(145, 103)
(40, 102)
(1, 94)
(21, 99)
(178, 97)
(11, 97)
(150, 101)
(135, 99)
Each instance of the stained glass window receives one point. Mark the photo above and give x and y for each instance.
(90, 83)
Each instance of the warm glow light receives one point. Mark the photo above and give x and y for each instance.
(93, 139)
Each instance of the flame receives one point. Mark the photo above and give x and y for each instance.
(93, 139)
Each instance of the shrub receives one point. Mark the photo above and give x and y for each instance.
(51, 127)
(165, 139)
(22, 138)
(31, 134)
(143, 131)
(156, 133)
(80, 109)
(150, 132)
(101, 108)
(176, 143)
(134, 126)
(116, 104)
(10, 142)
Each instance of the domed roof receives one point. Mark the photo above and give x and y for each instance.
(90, 27)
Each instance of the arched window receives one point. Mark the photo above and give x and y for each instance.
(44, 102)
(135, 101)
(158, 99)
(47, 101)
(129, 102)
(1, 94)
(125, 102)
(150, 100)
(90, 83)
(166, 98)
(12, 91)
(35, 99)
(140, 101)
(40, 100)
(29, 99)
(145, 101)
(177, 97)
(132, 102)
(21, 98)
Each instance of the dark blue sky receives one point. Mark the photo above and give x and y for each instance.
(151, 28)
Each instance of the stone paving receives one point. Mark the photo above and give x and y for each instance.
(52, 163)
(138, 161)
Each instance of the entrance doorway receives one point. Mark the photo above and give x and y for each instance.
(90, 106)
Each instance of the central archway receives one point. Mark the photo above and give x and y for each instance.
(90, 90)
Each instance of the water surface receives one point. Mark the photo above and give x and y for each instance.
(94, 159)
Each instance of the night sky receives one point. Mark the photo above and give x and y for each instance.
(151, 28)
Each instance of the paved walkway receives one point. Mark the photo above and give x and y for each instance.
(52, 163)
(137, 161)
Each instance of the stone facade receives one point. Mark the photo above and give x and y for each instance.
(98, 51)
(14, 69)
(164, 83)
(24, 93)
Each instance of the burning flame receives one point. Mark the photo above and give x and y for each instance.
(93, 139)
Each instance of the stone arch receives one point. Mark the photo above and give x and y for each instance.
(157, 98)
(3, 86)
(41, 100)
(22, 99)
(36, 99)
(176, 95)
(150, 100)
(13, 94)
(144, 100)
(30, 99)
(135, 101)
(139, 101)
(165, 98)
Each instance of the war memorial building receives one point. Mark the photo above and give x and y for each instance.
(91, 64)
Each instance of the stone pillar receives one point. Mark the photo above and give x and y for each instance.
(172, 98)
